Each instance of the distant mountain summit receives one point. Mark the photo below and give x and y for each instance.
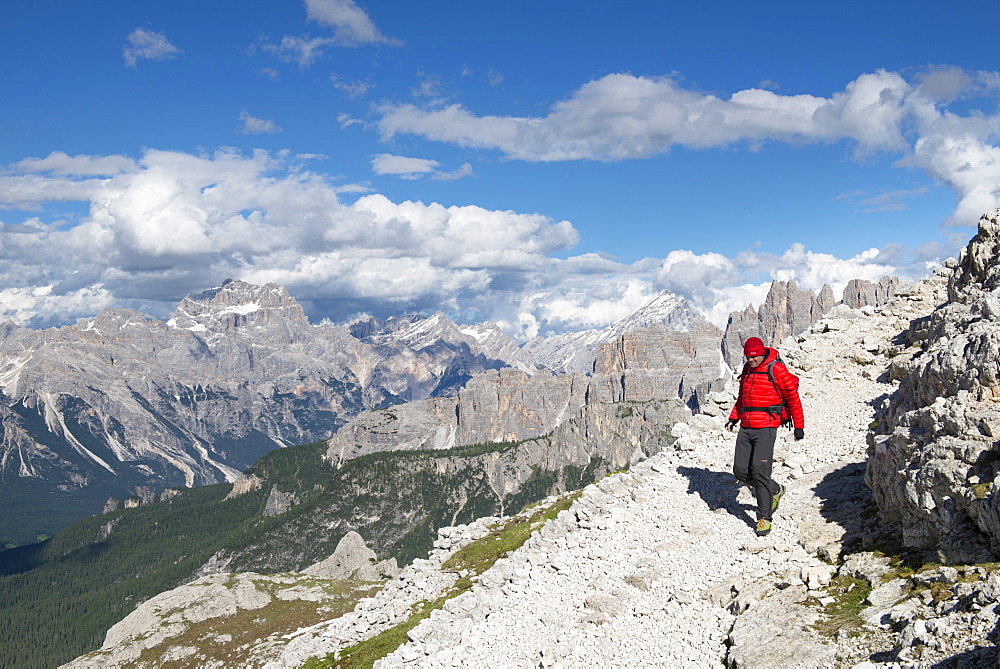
(237, 304)
(574, 351)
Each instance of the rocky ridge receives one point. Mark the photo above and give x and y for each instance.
(934, 454)
(788, 311)
(659, 566)
(653, 363)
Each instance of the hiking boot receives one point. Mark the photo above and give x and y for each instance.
(777, 498)
(763, 527)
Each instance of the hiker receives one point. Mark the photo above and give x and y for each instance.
(769, 397)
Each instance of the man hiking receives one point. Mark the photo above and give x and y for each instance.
(769, 397)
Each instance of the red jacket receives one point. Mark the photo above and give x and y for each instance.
(756, 390)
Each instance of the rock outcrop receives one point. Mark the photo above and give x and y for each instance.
(353, 559)
(186, 623)
(934, 454)
(863, 293)
(507, 405)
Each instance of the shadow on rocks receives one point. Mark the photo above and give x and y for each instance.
(846, 501)
(719, 490)
(976, 658)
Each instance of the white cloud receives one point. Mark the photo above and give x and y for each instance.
(148, 45)
(623, 116)
(174, 223)
(386, 163)
(301, 50)
(465, 170)
(58, 162)
(350, 23)
(256, 126)
(353, 89)
(351, 27)
(416, 168)
(617, 116)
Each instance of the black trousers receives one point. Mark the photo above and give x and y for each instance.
(752, 464)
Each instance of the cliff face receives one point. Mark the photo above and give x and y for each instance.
(934, 455)
(653, 363)
(786, 311)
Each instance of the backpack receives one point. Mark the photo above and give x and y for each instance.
(780, 410)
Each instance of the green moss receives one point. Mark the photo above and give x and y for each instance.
(229, 639)
(844, 613)
(981, 489)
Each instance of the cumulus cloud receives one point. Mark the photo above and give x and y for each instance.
(148, 45)
(623, 116)
(170, 223)
(256, 126)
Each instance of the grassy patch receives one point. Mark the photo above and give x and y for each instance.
(230, 639)
(844, 613)
(980, 490)
(469, 562)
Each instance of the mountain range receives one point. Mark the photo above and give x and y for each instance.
(124, 406)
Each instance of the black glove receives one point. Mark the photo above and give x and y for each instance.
(799, 434)
(731, 423)
(787, 423)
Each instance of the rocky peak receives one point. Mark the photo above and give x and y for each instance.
(788, 311)
(574, 351)
(977, 264)
(863, 293)
(237, 305)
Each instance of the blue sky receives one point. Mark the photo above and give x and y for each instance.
(549, 166)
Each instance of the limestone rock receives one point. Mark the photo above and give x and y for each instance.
(774, 632)
(932, 458)
(862, 293)
(353, 559)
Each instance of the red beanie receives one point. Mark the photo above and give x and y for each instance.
(753, 346)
